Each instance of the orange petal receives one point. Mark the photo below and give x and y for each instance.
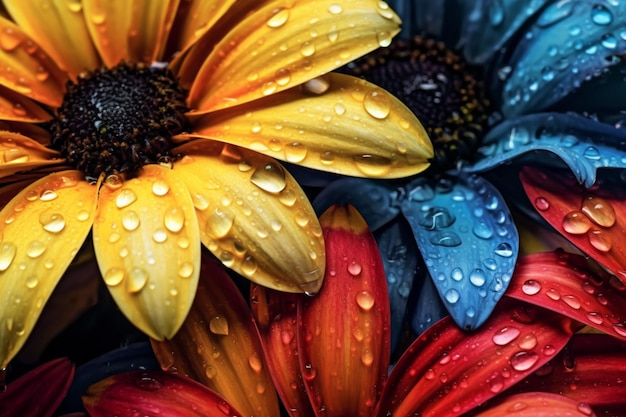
(219, 345)
(343, 332)
(335, 123)
(148, 30)
(109, 24)
(147, 244)
(250, 210)
(25, 68)
(538, 404)
(42, 229)
(279, 46)
(19, 153)
(17, 107)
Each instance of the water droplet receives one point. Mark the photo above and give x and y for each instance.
(600, 240)
(554, 13)
(377, 103)
(307, 48)
(255, 363)
(48, 195)
(279, 18)
(125, 198)
(504, 249)
(600, 15)
(249, 266)
(271, 178)
(505, 335)
(335, 8)
(572, 301)
(354, 268)
(268, 88)
(130, 220)
(316, 86)
(35, 249)
(446, 239)
(372, 165)
(553, 294)
(365, 300)
(584, 409)
(137, 280)
(477, 277)
(576, 223)
(599, 211)
(523, 361)
(113, 276)
(452, 296)
(219, 325)
(384, 38)
(174, 219)
(295, 152)
(220, 223)
(160, 188)
(9, 39)
(31, 282)
(53, 223)
(595, 317)
(7, 254)
(482, 230)
(528, 342)
(456, 274)
(367, 357)
(531, 287)
(542, 204)
(437, 218)
(282, 76)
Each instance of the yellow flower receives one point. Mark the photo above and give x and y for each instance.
(155, 124)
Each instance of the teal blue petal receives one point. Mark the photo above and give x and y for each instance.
(468, 240)
(583, 144)
(427, 309)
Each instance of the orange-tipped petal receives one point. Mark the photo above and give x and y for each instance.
(335, 123)
(538, 404)
(279, 46)
(567, 284)
(592, 219)
(449, 372)
(42, 229)
(147, 244)
(254, 216)
(151, 393)
(38, 392)
(276, 314)
(19, 153)
(219, 346)
(343, 332)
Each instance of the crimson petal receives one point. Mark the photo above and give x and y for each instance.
(48, 383)
(568, 284)
(448, 372)
(149, 393)
(539, 404)
(593, 219)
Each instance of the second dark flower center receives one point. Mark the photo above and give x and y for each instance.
(115, 120)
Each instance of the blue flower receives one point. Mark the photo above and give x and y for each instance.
(554, 76)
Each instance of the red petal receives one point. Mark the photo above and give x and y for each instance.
(539, 404)
(447, 372)
(593, 219)
(48, 383)
(591, 370)
(219, 345)
(276, 313)
(343, 333)
(568, 284)
(151, 393)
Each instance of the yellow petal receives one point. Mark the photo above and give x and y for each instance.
(108, 23)
(59, 28)
(26, 69)
(149, 27)
(253, 216)
(42, 229)
(278, 47)
(17, 107)
(334, 123)
(19, 153)
(147, 244)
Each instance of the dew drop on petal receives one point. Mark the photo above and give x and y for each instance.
(174, 219)
(53, 223)
(335, 8)
(477, 277)
(130, 220)
(367, 357)
(48, 195)
(504, 249)
(295, 152)
(377, 103)
(576, 223)
(365, 300)
(113, 276)
(600, 15)
(553, 294)
(600, 211)
(585, 409)
(372, 165)
(255, 363)
(600, 240)
(279, 18)
(220, 223)
(542, 204)
(35, 249)
(528, 342)
(249, 266)
(572, 301)
(505, 335)
(7, 254)
(452, 296)
(159, 235)
(125, 198)
(137, 280)
(594, 317)
(219, 325)
(160, 188)
(31, 282)
(523, 361)
(354, 268)
(271, 178)
(531, 287)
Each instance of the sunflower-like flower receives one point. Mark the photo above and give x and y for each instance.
(517, 83)
(154, 126)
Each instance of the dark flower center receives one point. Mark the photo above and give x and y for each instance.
(115, 120)
(439, 87)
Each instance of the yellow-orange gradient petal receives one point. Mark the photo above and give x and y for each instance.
(254, 216)
(59, 28)
(17, 107)
(334, 123)
(283, 44)
(26, 69)
(108, 23)
(42, 229)
(149, 26)
(19, 153)
(147, 244)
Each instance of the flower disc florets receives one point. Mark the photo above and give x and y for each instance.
(115, 120)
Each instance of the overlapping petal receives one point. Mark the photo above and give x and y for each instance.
(147, 244)
(282, 45)
(20, 153)
(42, 229)
(468, 240)
(583, 144)
(538, 404)
(60, 29)
(335, 123)
(219, 346)
(15, 106)
(253, 216)
(108, 24)
(149, 26)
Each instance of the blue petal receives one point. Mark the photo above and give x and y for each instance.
(427, 308)
(400, 259)
(567, 44)
(469, 243)
(583, 144)
(375, 200)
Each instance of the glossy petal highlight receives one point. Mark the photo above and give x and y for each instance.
(227, 186)
(336, 123)
(42, 229)
(19, 153)
(538, 404)
(147, 243)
